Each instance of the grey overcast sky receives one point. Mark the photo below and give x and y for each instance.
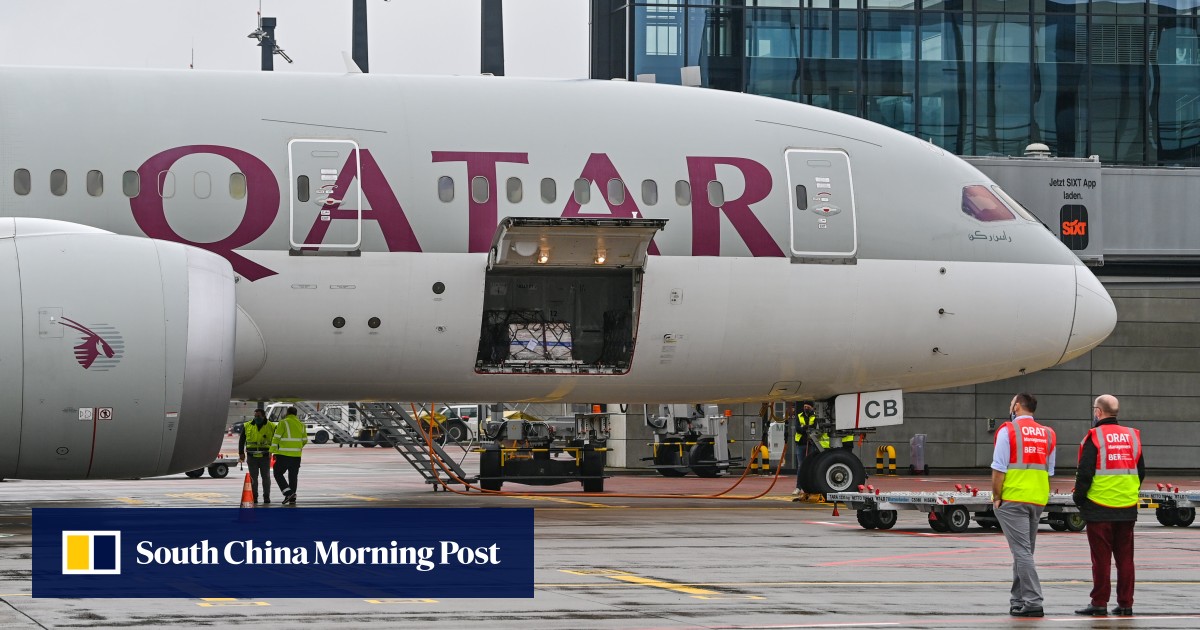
(546, 38)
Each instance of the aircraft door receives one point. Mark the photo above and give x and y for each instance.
(320, 190)
(822, 205)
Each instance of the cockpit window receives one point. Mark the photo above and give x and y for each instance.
(1015, 205)
(979, 203)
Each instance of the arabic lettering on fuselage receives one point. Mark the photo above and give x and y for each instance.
(979, 235)
(263, 202)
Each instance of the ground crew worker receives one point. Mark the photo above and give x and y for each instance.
(848, 442)
(254, 448)
(1022, 464)
(806, 419)
(1107, 484)
(288, 443)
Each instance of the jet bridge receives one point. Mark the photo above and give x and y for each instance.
(562, 295)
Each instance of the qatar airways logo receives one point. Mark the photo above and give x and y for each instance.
(100, 346)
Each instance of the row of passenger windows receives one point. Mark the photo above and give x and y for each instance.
(131, 184)
(581, 191)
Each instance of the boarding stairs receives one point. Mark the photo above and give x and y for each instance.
(336, 427)
(405, 433)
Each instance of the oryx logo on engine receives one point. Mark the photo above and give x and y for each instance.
(100, 347)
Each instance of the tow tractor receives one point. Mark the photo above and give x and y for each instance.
(1172, 507)
(949, 511)
(558, 450)
(219, 469)
(686, 439)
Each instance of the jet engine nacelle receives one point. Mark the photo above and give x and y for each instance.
(116, 353)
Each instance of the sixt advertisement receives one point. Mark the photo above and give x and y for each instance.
(376, 553)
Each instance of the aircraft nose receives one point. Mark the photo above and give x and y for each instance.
(1095, 315)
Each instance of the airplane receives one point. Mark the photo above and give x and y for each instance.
(175, 239)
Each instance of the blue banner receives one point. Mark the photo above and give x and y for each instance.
(283, 552)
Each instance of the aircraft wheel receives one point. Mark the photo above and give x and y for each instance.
(1165, 516)
(937, 522)
(218, 471)
(886, 519)
(321, 436)
(195, 474)
(1058, 525)
(704, 451)
(867, 519)
(807, 483)
(668, 455)
(1074, 522)
(837, 470)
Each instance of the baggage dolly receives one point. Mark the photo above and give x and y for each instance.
(1172, 507)
(949, 511)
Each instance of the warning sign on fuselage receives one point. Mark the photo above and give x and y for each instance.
(869, 409)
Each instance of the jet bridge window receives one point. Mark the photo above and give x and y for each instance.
(446, 188)
(95, 183)
(58, 182)
(131, 183)
(22, 183)
(979, 203)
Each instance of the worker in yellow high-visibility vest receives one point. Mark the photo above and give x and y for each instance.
(288, 444)
(254, 448)
(806, 419)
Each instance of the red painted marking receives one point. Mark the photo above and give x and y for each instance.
(857, 409)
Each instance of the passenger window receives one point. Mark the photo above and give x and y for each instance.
(801, 197)
(131, 183)
(716, 194)
(583, 191)
(446, 188)
(166, 184)
(22, 183)
(649, 192)
(979, 203)
(549, 190)
(479, 189)
(302, 190)
(202, 185)
(683, 193)
(616, 191)
(95, 183)
(58, 182)
(237, 185)
(515, 193)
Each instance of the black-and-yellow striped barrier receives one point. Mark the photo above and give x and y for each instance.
(887, 452)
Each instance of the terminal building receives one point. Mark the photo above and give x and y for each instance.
(1110, 90)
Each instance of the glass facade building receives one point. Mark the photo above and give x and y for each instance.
(1114, 78)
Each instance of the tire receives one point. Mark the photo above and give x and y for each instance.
(957, 519)
(321, 436)
(489, 466)
(1165, 516)
(1185, 516)
(591, 466)
(937, 522)
(195, 474)
(593, 485)
(668, 455)
(218, 471)
(867, 519)
(837, 470)
(456, 431)
(1074, 522)
(886, 519)
(806, 475)
(1058, 525)
(704, 451)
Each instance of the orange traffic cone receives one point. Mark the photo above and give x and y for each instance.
(247, 494)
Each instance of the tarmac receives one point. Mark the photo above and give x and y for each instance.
(640, 563)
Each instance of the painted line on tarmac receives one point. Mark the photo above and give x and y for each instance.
(688, 589)
(569, 501)
(131, 500)
(361, 498)
(670, 586)
(215, 602)
(16, 594)
(206, 497)
(401, 601)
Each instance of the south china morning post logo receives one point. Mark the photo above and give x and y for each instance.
(91, 553)
(317, 552)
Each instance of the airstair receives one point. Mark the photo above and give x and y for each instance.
(404, 433)
(335, 426)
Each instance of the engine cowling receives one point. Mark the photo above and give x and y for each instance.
(116, 353)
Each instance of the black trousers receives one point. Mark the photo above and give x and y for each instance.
(290, 466)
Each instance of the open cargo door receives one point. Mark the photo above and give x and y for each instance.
(562, 295)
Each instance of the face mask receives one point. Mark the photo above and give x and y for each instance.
(1012, 415)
